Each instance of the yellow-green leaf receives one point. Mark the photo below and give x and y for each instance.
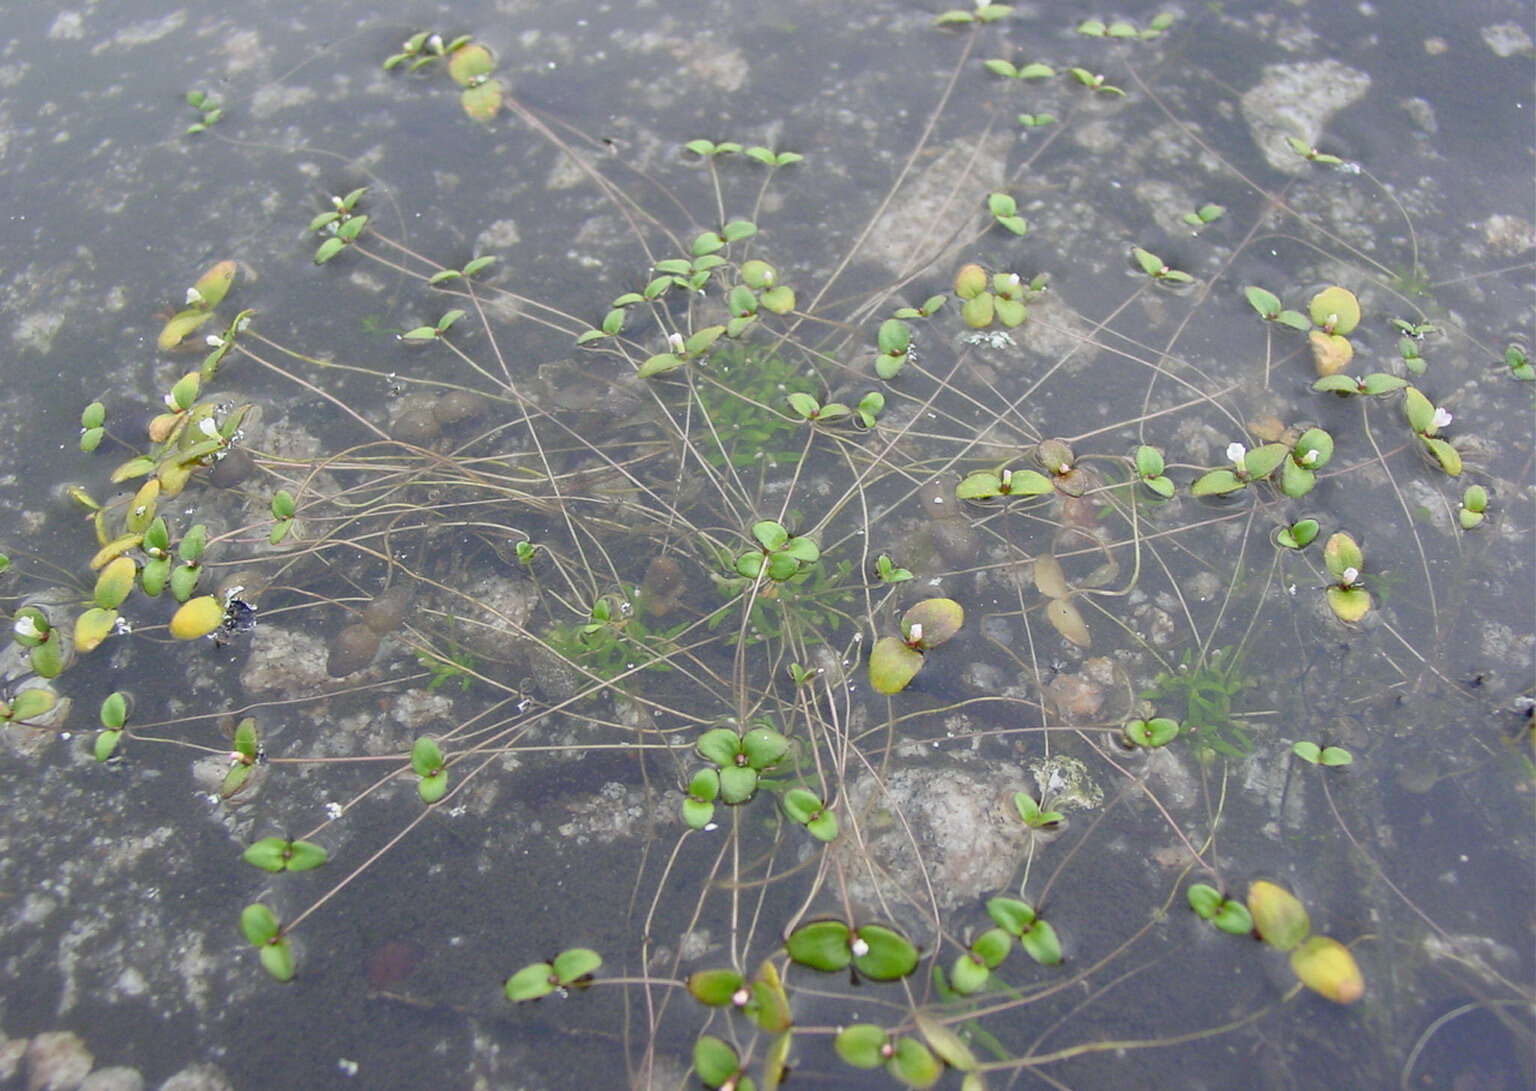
(197, 617)
(181, 326)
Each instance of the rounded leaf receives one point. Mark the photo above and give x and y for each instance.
(1349, 604)
(704, 785)
(426, 756)
(738, 783)
(763, 747)
(1341, 554)
(715, 987)
(698, 814)
(714, 1060)
(821, 945)
(1335, 309)
(114, 709)
(802, 805)
(277, 959)
(1216, 483)
(258, 924)
(531, 982)
(968, 974)
(862, 1045)
(1041, 943)
(1233, 918)
(1011, 915)
(432, 788)
(575, 963)
(469, 64)
(197, 617)
(269, 854)
(890, 955)
(1205, 900)
(992, 946)
(1327, 967)
(719, 745)
(940, 619)
(892, 665)
(970, 281)
(914, 1064)
(1278, 916)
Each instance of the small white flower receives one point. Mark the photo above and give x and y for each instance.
(1007, 478)
(740, 997)
(859, 948)
(435, 43)
(208, 428)
(914, 634)
(214, 341)
(26, 626)
(194, 297)
(1235, 455)
(1064, 468)
(1440, 419)
(333, 810)
(170, 403)
(236, 758)
(676, 341)
(1013, 280)
(1348, 577)
(1310, 458)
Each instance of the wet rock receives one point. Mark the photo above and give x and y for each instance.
(57, 1060)
(968, 840)
(198, 1077)
(284, 661)
(352, 650)
(459, 405)
(12, 1052)
(388, 610)
(236, 466)
(417, 427)
(1298, 100)
(116, 1078)
(500, 611)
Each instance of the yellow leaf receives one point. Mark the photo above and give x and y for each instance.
(197, 617)
(1326, 966)
(115, 549)
(1331, 353)
(92, 627)
(214, 284)
(1065, 619)
(181, 326)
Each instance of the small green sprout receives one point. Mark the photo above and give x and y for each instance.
(1474, 506)
(1149, 467)
(984, 12)
(1269, 307)
(1005, 210)
(1321, 755)
(780, 555)
(208, 108)
(1158, 269)
(1094, 81)
(1032, 814)
(1227, 914)
(569, 969)
(1298, 535)
(1519, 364)
(888, 571)
(1311, 154)
(1205, 214)
(1032, 71)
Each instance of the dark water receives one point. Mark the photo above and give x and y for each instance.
(121, 884)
